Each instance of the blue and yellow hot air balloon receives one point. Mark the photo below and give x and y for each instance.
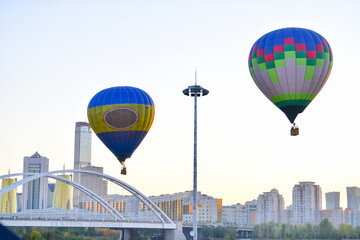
(290, 66)
(121, 117)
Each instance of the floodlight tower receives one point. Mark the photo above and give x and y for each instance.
(195, 91)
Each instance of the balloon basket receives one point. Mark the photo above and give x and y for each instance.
(123, 171)
(294, 131)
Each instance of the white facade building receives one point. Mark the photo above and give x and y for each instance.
(234, 215)
(307, 203)
(270, 207)
(239, 214)
(35, 193)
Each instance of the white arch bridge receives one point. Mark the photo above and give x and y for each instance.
(152, 218)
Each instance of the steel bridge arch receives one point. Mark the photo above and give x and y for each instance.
(91, 194)
(83, 189)
(153, 207)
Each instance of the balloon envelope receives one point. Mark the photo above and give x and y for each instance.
(121, 117)
(290, 66)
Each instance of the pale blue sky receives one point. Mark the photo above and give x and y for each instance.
(55, 55)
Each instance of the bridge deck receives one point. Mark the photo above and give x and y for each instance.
(98, 224)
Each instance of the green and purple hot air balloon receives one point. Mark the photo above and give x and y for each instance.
(121, 117)
(290, 66)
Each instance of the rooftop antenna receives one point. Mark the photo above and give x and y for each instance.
(9, 171)
(195, 76)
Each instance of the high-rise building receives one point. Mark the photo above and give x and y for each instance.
(82, 160)
(269, 207)
(235, 215)
(8, 200)
(307, 203)
(35, 193)
(353, 197)
(332, 200)
(63, 197)
(82, 153)
(94, 183)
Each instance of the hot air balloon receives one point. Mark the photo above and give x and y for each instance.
(121, 117)
(290, 66)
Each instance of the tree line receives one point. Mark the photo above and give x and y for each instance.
(64, 233)
(228, 233)
(324, 230)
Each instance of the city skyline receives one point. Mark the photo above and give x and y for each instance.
(269, 206)
(56, 56)
(99, 186)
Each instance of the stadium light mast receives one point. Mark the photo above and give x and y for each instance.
(195, 91)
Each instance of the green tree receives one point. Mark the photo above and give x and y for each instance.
(91, 232)
(309, 231)
(59, 235)
(231, 233)
(283, 230)
(290, 232)
(343, 231)
(357, 232)
(257, 231)
(207, 232)
(36, 236)
(219, 232)
(326, 229)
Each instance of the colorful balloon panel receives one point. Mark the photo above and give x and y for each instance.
(290, 66)
(121, 117)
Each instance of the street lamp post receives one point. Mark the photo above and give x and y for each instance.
(195, 91)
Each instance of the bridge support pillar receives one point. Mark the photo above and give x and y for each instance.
(125, 234)
(176, 234)
(128, 234)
